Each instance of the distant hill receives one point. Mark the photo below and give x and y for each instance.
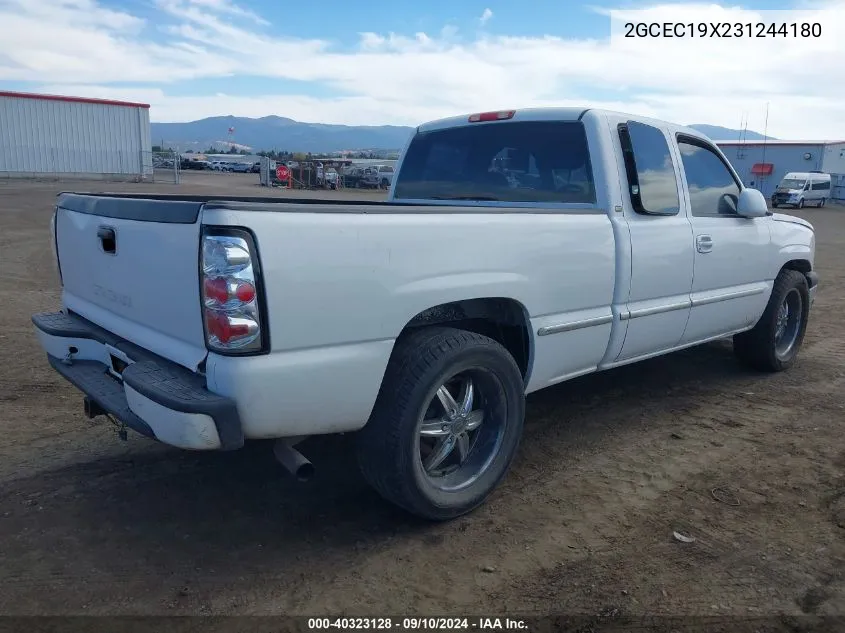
(718, 133)
(280, 133)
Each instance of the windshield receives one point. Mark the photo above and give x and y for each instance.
(531, 161)
(792, 183)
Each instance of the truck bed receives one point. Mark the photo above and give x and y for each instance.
(137, 206)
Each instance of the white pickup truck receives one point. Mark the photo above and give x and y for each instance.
(516, 250)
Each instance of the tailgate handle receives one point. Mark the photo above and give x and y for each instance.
(107, 239)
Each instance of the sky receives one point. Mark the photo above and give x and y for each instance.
(404, 63)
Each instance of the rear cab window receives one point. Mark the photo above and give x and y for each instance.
(514, 161)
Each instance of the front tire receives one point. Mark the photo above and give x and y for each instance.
(446, 424)
(773, 344)
(821, 203)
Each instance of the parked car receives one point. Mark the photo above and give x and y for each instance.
(224, 165)
(801, 188)
(328, 179)
(516, 250)
(194, 163)
(352, 176)
(255, 168)
(380, 176)
(242, 168)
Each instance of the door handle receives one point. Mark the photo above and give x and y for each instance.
(704, 243)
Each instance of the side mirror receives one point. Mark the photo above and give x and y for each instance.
(751, 204)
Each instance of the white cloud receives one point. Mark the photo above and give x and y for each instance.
(485, 16)
(77, 47)
(226, 6)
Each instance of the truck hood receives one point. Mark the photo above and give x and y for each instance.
(782, 217)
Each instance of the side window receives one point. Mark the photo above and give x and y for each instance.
(712, 188)
(821, 185)
(651, 172)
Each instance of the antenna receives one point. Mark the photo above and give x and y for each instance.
(766, 131)
(743, 127)
(765, 140)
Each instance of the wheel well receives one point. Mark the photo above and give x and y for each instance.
(801, 265)
(503, 320)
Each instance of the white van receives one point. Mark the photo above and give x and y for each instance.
(801, 188)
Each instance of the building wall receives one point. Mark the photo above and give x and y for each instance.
(784, 158)
(61, 137)
(834, 158)
(834, 164)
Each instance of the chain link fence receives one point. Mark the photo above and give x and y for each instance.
(837, 193)
(164, 167)
(267, 173)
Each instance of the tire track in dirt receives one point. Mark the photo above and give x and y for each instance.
(573, 494)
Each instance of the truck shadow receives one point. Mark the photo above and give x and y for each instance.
(218, 516)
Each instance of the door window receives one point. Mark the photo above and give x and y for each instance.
(712, 188)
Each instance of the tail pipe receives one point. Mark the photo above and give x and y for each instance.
(294, 462)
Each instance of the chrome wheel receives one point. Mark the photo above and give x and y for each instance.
(788, 323)
(461, 429)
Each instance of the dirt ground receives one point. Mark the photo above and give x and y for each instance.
(611, 464)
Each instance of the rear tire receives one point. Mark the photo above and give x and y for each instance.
(773, 344)
(410, 427)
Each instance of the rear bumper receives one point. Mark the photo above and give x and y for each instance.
(151, 395)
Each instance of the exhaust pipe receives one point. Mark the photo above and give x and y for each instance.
(294, 462)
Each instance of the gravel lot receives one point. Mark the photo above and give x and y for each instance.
(609, 467)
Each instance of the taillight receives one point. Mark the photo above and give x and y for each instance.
(231, 293)
(501, 115)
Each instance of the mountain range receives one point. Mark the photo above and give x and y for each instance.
(275, 132)
(280, 133)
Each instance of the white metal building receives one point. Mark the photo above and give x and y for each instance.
(763, 164)
(49, 135)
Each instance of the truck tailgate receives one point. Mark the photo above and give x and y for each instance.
(130, 265)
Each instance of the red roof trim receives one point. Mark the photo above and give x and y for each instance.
(32, 95)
